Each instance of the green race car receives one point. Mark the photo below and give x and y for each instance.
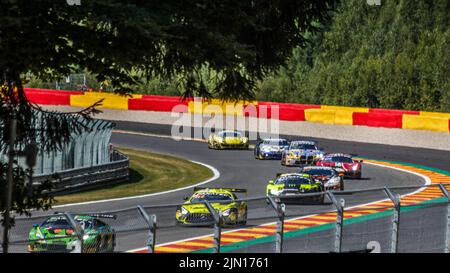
(291, 187)
(194, 213)
(227, 140)
(56, 234)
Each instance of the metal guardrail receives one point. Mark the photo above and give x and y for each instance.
(72, 180)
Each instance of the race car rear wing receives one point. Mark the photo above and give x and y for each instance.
(95, 215)
(233, 190)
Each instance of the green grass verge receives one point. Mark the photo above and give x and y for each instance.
(149, 173)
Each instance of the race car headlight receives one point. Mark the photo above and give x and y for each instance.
(354, 168)
(275, 192)
(244, 139)
(85, 237)
(226, 212)
(184, 211)
(332, 182)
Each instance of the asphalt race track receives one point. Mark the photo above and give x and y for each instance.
(239, 169)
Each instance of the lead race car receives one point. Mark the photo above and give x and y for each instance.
(292, 187)
(227, 140)
(270, 148)
(329, 177)
(301, 153)
(56, 234)
(224, 200)
(343, 163)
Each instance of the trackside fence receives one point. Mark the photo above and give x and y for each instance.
(391, 221)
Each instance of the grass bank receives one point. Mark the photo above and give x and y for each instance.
(149, 173)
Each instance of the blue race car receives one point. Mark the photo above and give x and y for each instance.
(270, 148)
(301, 153)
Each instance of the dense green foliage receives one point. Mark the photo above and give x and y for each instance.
(393, 56)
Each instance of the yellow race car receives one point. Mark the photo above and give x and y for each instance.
(227, 140)
(224, 200)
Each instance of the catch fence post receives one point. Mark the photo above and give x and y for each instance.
(151, 222)
(395, 198)
(280, 209)
(79, 231)
(340, 205)
(217, 226)
(447, 232)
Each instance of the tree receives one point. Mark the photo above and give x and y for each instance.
(237, 41)
(391, 56)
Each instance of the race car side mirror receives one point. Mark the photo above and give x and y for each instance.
(35, 225)
(341, 175)
(361, 161)
(271, 182)
(186, 198)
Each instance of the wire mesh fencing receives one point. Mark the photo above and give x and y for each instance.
(404, 219)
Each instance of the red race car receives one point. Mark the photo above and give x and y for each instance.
(342, 163)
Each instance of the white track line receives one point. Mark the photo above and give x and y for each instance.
(215, 176)
(160, 136)
(426, 178)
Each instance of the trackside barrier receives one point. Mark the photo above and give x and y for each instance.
(430, 123)
(49, 97)
(136, 228)
(342, 115)
(112, 101)
(157, 103)
(377, 119)
(73, 180)
(320, 116)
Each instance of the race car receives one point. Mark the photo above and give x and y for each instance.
(56, 234)
(301, 153)
(270, 148)
(343, 163)
(224, 200)
(291, 187)
(329, 177)
(227, 140)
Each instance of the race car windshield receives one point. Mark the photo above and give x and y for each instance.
(303, 146)
(200, 197)
(230, 134)
(293, 180)
(56, 222)
(275, 142)
(318, 172)
(340, 159)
